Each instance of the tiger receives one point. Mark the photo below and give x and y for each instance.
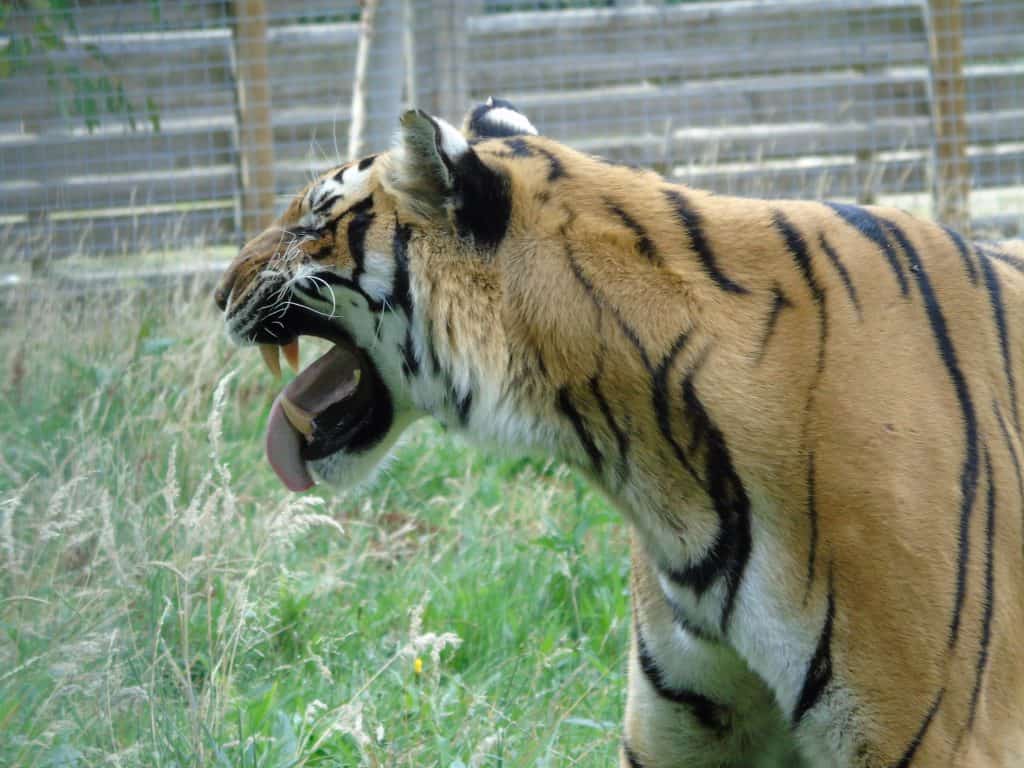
(806, 412)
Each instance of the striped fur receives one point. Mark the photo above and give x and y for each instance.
(807, 413)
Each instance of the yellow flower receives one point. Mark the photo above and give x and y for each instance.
(417, 666)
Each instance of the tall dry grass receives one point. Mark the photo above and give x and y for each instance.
(164, 603)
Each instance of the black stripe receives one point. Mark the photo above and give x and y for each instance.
(400, 294)
(355, 233)
(371, 303)
(568, 409)
(643, 240)
(325, 250)
(631, 758)
(621, 438)
(435, 361)
(693, 224)
(989, 602)
(428, 339)
(731, 550)
(662, 409)
(779, 303)
(844, 275)
(819, 670)
(410, 363)
(462, 405)
(600, 303)
(687, 625)
(798, 250)
(965, 255)
(912, 747)
(362, 206)
(555, 168)
(326, 203)
(797, 247)
(870, 227)
(812, 514)
(518, 147)
(969, 473)
(704, 710)
(1016, 465)
(995, 296)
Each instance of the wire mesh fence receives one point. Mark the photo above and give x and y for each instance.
(131, 127)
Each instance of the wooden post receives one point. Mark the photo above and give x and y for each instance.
(951, 179)
(380, 76)
(255, 131)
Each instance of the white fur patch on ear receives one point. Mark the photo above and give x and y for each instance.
(453, 143)
(510, 119)
(497, 118)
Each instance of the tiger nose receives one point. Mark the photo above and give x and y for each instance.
(258, 250)
(223, 290)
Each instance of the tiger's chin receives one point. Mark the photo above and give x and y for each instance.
(346, 469)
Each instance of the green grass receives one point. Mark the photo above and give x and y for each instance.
(164, 602)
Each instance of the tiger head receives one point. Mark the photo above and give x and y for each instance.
(411, 264)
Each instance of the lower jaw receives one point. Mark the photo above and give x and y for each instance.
(345, 469)
(354, 432)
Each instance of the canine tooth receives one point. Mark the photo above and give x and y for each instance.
(291, 354)
(271, 357)
(298, 418)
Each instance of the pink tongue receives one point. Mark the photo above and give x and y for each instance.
(283, 444)
(328, 380)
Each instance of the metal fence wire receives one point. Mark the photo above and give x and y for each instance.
(133, 127)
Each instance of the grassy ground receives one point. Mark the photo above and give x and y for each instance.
(164, 602)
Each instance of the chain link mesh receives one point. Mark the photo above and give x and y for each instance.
(145, 127)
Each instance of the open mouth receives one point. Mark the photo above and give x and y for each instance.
(337, 403)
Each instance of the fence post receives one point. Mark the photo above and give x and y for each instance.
(380, 75)
(252, 102)
(951, 178)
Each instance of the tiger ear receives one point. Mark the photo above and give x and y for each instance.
(436, 174)
(425, 159)
(496, 119)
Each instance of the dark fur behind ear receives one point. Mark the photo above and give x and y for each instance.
(484, 203)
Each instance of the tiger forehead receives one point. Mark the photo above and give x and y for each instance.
(348, 182)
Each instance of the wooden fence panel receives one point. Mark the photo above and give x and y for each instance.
(808, 97)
